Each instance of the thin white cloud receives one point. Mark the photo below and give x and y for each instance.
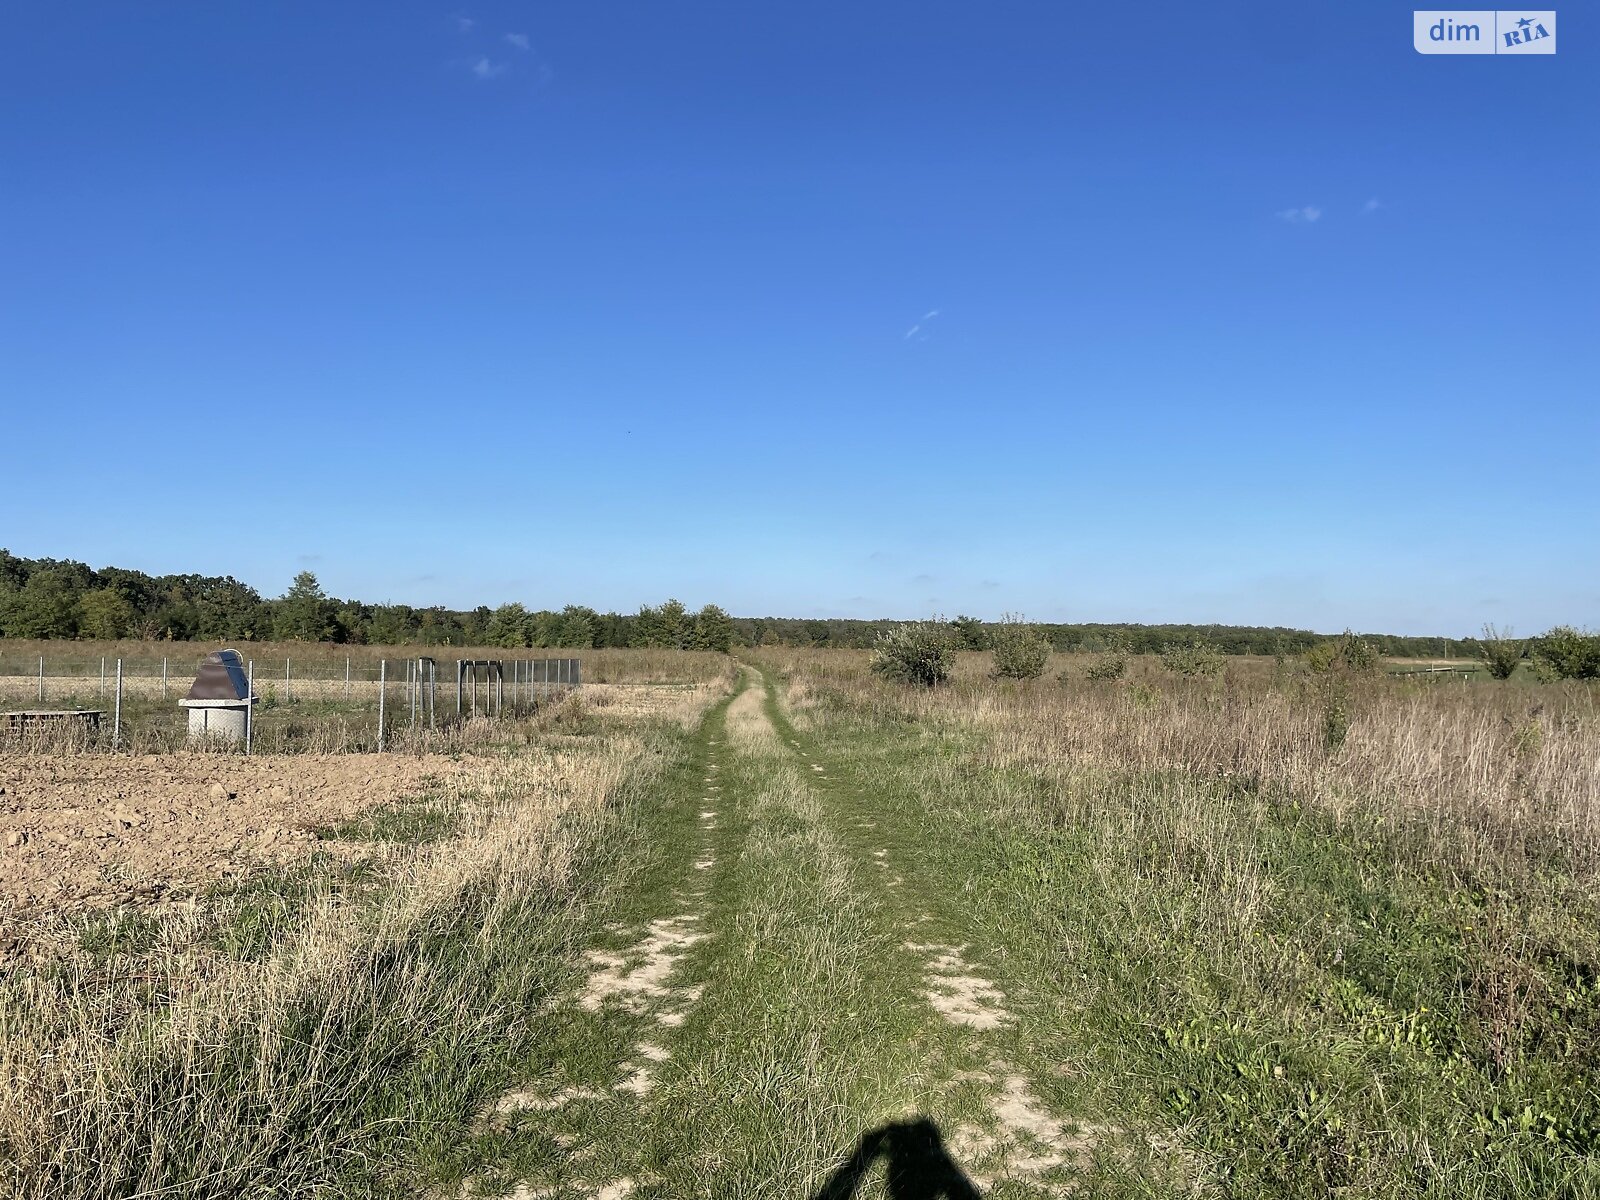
(519, 40)
(1371, 206)
(1309, 214)
(911, 333)
(465, 24)
(484, 69)
(930, 314)
(917, 328)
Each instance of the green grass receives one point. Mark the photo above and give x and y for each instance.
(1304, 1006)
(410, 823)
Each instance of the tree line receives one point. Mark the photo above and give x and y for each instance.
(61, 598)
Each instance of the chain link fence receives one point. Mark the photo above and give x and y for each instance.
(132, 701)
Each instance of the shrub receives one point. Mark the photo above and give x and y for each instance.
(970, 634)
(1111, 665)
(1335, 718)
(1500, 651)
(1020, 650)
(1348, 652)
(919, 652)
(1191, 658)
(1568, 653)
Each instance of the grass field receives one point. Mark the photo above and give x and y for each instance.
(788, 930)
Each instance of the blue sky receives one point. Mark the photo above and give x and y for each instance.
(1241, 313)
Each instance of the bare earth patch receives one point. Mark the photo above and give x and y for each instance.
(961, 997)
(93, 830)
(1024, 1139)
(637, 979)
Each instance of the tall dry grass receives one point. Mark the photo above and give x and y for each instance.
(391, 996)
(1521, 764)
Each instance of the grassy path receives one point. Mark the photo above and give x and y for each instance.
(784, 1005)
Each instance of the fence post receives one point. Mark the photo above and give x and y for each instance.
(163, 678)
(458, 683)
(347, 677)
(383, 665)
(288, 683)
(41, 678)
(116, 721)
(249, 704)
(102, 676)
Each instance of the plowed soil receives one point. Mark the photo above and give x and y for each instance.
(93, 830)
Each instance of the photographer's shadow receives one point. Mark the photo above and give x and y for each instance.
(918, 1165)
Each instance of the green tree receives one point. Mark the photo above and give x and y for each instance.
(1566, 653)
(674, 624)
(305, 613)
(970, 633)
(508, 626)
(44, 607)
(576, 627)
(104, 613)
(713, 629)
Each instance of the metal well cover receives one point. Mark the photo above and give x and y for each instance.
(221, 677)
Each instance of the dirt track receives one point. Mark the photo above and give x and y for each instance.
(91, 830)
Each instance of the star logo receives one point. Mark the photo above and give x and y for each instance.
(1525, 22)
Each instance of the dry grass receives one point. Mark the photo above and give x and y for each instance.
(317, 709)
(267, 1041)
(748, 727)
(78, 662)
(1323, 929)
(1518, 763)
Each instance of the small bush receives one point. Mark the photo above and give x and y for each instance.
(1144, 697)
(1568, 653)
(1020, 650)
(917, 652)
(1348, 652)
(1112, 665)
(1500, 652)
(1335, 719)
(1528, 740)
(1191, 658)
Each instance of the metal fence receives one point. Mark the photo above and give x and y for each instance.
(412, 692)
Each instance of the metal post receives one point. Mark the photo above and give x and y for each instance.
(249, 704)
(41, 677)
(102, 676)
(458, 685)
(499, 691)
(383, 665)
(288, 683)
(116, 721)
(433, 694)
(347, 677)
(163, 678)
(474, 670)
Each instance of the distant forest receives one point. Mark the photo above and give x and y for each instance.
(59, 598)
